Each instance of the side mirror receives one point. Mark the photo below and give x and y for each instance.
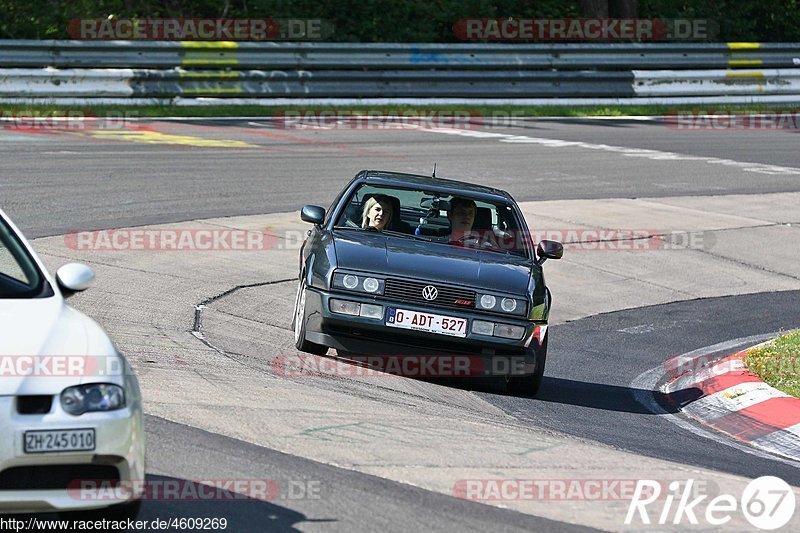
(549, 250)
(313, 214)
(74, 277)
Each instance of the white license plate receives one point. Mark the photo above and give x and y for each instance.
(443, 325)
(59, 440)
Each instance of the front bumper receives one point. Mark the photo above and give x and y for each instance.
(119, 437)
(360, 335)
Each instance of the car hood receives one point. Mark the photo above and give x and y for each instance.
(45, 327)
(386, 254)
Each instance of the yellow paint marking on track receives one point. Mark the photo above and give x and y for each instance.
(156, 137)
(744, 46)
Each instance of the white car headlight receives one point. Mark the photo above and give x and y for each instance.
(93, 397)
(371, 285)
(350, 281)
(488, 301)
(508, 305)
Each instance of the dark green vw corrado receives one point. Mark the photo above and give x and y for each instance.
(404, 266)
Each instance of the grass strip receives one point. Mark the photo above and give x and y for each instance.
(778, 363)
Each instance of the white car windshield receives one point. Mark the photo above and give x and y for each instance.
(438, 217)
(19, 275)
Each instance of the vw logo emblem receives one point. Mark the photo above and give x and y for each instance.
(430, 293)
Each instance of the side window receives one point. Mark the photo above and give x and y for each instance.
(9, 266)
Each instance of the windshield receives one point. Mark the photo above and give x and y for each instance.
(443, 218)
(19, 276)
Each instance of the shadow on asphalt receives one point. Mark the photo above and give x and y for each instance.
(566, 391)
(171, 499)
(579, 393)
(600, 396)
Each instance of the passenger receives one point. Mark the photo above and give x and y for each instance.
(377, 213)
(462, 216)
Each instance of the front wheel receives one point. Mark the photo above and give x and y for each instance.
(299, 325)
(529, 385)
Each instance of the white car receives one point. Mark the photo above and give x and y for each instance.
(71, 423)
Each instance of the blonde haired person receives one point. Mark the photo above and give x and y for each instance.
(377, 213)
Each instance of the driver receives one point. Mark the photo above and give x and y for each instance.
(462, 216)
(377, 212)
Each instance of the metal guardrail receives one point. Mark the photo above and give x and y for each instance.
(346, 56)
(228, 70)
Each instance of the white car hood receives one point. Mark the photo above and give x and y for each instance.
(48, 327)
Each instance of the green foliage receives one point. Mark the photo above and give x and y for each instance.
(778, 363)
(398, 20)
(739, 20)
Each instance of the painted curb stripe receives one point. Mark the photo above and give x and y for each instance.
(711, 386)
(783, 441)
(761, 419)
(697, 377)
(734, 398)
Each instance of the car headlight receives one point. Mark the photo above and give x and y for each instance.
(357, 283)
(489, 302)
(93, 397)
(371, 285)
(508, 305)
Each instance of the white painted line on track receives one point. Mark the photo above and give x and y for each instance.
(656, 155)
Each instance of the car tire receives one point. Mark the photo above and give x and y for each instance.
(299, 323)
(119, 513)
(529, 385)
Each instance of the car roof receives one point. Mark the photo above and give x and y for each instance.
(437, 184)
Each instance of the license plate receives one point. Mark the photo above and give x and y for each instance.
(59, 440)
(443, 325)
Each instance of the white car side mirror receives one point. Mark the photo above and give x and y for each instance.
(74, 277)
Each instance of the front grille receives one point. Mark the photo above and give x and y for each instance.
(411, 291)
(53, 477)
(34, 405)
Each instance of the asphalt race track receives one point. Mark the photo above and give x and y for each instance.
(85, 180)
(596, 396)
